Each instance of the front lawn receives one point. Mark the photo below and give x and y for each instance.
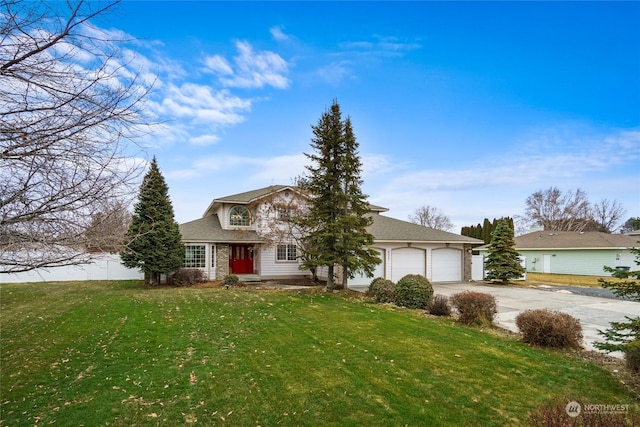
(117, 353)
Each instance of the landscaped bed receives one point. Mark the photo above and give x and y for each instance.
(119, 353)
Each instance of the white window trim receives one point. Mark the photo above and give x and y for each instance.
(248, 212)
(287, 252)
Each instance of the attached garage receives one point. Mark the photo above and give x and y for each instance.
(361, 279)
(407, 261)
(446, 265)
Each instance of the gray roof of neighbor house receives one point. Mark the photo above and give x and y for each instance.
(389, 229)
(572, 240)
(208, 229)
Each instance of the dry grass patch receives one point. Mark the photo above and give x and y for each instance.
(566, 279)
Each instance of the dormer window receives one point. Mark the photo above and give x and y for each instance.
(239, 216)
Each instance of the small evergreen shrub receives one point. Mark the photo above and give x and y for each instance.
(475, 308)
(413, 291)
(187, 277)
(632, 356)
(439, 306)
(549, 329)
(230, 280)
(382, 290)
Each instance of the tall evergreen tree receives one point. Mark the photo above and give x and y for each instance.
(503, 261)
(487, 229)
(153, 242)
(338, 213)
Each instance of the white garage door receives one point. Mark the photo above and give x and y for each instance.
(446, 265)
(407, 261)
(361, 279)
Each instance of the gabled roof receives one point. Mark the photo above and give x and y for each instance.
(386, 229)
(574, 240)
(208, 229)
(249, 197)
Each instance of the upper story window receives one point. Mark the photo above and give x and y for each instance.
(284, 213)
(239, 216)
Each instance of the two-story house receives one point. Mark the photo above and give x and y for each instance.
(248, 234)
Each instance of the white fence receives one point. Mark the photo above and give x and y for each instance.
(478, 272)
(104, 267)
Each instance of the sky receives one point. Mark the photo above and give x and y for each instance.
(469, 107)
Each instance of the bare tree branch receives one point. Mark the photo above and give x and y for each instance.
(571, 211)
(69, 105)
(430, 216)
(607, 214)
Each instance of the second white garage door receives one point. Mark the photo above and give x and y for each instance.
(446, 265)
(407, 261)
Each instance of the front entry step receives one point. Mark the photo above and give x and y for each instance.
(248, 277)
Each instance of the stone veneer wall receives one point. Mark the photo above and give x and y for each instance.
(222, 260)
(466, 262)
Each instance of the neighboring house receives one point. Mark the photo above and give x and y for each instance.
(569, 252)
(236, 235)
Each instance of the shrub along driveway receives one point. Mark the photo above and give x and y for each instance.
(595, 313)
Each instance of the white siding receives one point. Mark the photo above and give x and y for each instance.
(269, 267)
(587, 262)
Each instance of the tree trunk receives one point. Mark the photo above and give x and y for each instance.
(345, 277)
(329, 287)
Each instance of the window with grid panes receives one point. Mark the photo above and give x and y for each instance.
(195, 256)
(239, 216)
(286, 253)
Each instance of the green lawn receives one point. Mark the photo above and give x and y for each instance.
(116, 353)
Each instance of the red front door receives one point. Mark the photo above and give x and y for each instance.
(241, 259)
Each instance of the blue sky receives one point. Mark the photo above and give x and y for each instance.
(468, 107)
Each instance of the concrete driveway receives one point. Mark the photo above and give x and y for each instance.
(594, 312)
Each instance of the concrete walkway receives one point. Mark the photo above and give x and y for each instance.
(594, 312)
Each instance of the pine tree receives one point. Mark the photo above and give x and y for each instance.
(487, 230)
(338, 212)
(153, 242)
(503, 261)
(621, 334)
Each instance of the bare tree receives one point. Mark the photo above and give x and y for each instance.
(106, 232)
(558, 211)
(607, 214)
(69, 103)
(430, 216)
(279, 218)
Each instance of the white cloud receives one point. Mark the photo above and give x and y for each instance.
(499, 188)
(217, 64)
(278, 34)
(250, 69)
(335, 72)
(204, 139)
